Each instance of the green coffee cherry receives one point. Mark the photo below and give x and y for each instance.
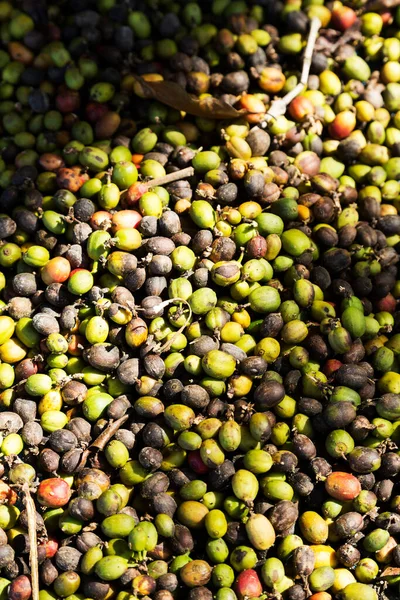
(202, 214)
(116, 454)
(109, 568)
(243, 557)
(245, 485)
(38, 385)
(218, 364)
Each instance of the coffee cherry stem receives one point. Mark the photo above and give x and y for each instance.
(168, 344)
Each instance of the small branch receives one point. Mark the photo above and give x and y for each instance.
(106, 435)
(33, 554)
(141, 187)
(278, 107)
(176, 176)
(100, 442)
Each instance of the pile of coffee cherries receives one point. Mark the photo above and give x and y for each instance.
(199, 324)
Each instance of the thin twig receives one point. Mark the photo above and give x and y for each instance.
(312, 38)
(175, 176)
(33, 553)
(278, 107)
(141, 187)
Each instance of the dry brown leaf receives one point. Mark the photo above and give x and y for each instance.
(174, 96)
(381, 5)
(390, 572)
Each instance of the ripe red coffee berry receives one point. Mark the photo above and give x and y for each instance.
(53, 493)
